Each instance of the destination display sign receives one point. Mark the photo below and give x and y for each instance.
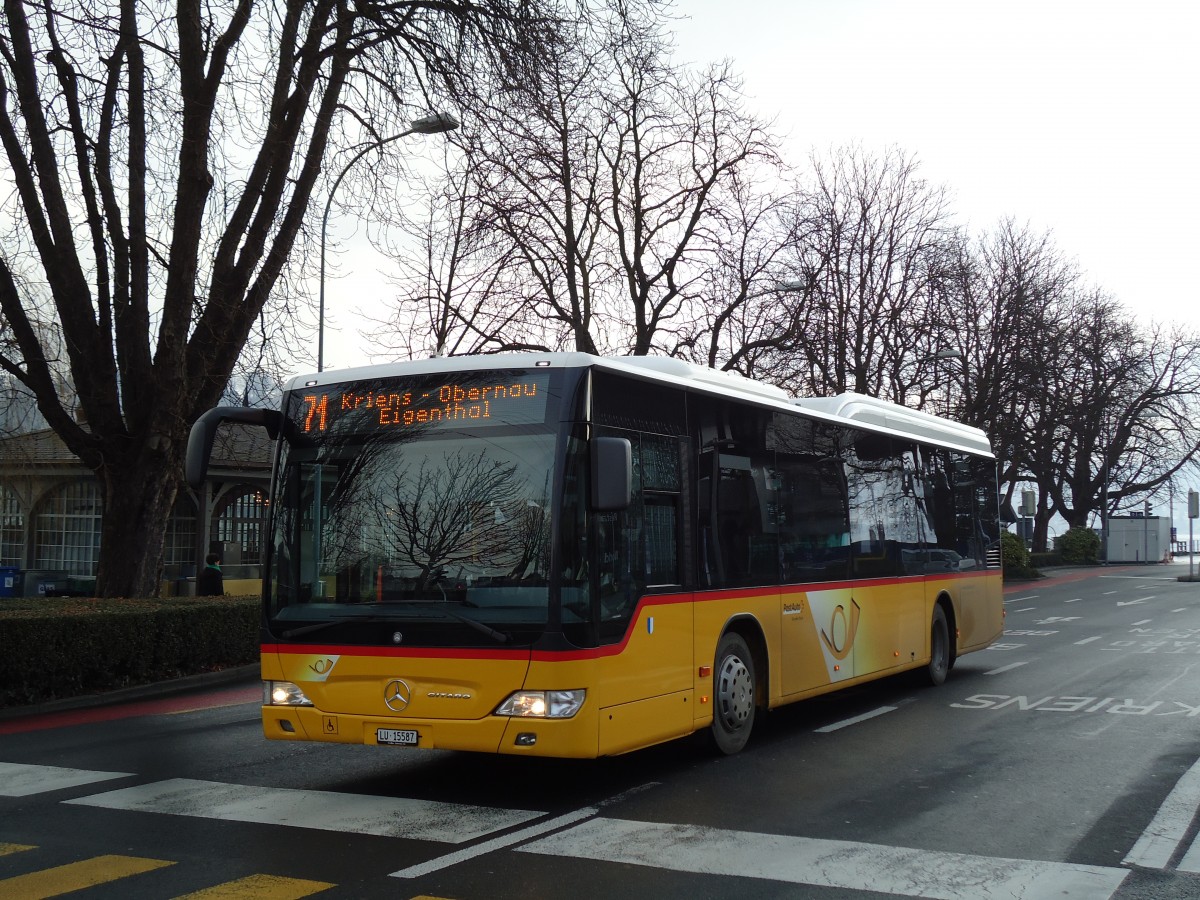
(458, 400)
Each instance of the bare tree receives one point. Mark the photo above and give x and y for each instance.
(1127, 404)
(163, 159)
(1007, 299)
(678, 140)
(538, 162)
(456, 290)
(741, 320)
(877, 245)
(604, 179)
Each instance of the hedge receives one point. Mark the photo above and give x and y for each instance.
(52, 648)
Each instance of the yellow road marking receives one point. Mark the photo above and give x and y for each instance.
(260, 887)
(76, 876)
(6, 849)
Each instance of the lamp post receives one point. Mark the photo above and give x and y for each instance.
(431, 124)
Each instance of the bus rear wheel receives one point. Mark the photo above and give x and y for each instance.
(734, 694)
(939, 647)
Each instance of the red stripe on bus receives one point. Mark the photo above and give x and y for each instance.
(583, 653)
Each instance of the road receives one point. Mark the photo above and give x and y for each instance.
(1060, 763)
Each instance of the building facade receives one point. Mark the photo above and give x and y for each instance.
(51, 506)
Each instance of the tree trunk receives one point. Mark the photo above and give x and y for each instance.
(137, 504)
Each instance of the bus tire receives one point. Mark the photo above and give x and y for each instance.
(734, 694)
(939, 647)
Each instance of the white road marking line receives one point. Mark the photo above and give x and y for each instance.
(1087, 640)
(1170, 825)
(1007, 668)
(499, 843)
(452, 823)
(846, 723)
(1134, 602)
(1026, 609)
(1076, 600)
(507, 840)
(823, 863)
(1144, 622)
(1191, 859)
(17, 780)
(1022, 599)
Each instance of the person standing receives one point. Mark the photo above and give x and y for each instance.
(210, 582)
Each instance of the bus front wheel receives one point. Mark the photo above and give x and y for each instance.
(733, 694)
(939, 647)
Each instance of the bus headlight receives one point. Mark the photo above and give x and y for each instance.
(283, 693)
(542, 704)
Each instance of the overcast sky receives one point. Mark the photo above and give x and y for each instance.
(1074, 117)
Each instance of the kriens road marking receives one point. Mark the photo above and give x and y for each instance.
(823, 863)
(452, 823)
(1022, 599)
(17, 780)
(846, 723)
(1169, 826)
(1088, 640)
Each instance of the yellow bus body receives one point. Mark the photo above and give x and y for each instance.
(653, 686)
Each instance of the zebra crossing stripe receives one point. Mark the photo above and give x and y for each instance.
(823, 863)
(17, 780)
(1170, 825)
(426, 820)
(76, 876)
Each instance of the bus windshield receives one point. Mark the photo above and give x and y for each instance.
(407, 521)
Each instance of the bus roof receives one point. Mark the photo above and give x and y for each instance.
(848, 408)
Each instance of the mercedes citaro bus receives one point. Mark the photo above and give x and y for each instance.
(565, 555)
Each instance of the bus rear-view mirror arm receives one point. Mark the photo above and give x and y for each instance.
(612, 473)
(200, 440)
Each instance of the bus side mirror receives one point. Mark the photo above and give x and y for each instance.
(200, 440)
(612, 473)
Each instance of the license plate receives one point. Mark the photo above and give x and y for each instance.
(402, 736)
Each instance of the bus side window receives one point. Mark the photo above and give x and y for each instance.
(638, 547)
(814, 532)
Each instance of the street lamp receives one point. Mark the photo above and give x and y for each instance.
(431, 124)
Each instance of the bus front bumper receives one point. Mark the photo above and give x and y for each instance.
(575, 737)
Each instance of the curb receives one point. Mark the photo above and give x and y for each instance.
(249, 672)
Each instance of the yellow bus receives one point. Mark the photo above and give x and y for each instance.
(565, 555)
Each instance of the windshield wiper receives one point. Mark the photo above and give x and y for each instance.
(340, 620)
(499, 636)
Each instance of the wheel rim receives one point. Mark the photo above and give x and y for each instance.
(735, 693)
